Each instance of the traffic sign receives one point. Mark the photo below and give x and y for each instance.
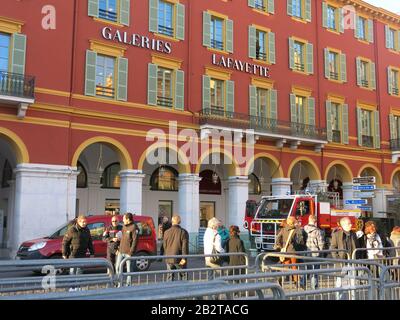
(356, 201)
(365, 208)
(363, 195)
(365, 187)
(364, 180)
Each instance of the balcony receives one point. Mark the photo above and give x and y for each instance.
(107, 15)
(279, 131)
(367, 141)
(365, 83)
(395, 91)
(107, 92)
(336, 136)
(165, 101)
(261, 56)
(216, 44)
(165, 30)
(260, 6)
(395, 147)
(299, 67)
(334, 75)
(17, 89)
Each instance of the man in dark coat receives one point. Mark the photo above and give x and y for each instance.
(112, 237)
(235, 245)
(344, 239)
(164, 226)
(176, 242)
(77, 241)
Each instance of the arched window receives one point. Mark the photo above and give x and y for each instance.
(7, 174)
(254, 184)
(81, 180)
(164, 179)
(111, 178)
(207, 184)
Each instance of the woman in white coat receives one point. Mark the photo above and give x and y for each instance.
(212, 239)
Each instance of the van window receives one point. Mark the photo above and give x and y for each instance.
(96, 230)
(144, 228)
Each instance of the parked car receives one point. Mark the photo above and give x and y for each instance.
(50, 247)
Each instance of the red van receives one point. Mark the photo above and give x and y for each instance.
(50, 247)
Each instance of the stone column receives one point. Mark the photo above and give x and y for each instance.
(238, 195)
(281, 186)
(10, 216)
(131, 191)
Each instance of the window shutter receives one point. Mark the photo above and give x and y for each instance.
(153, 15)
(393, 131)
(180, 21)
(329, 120)
(370, 31)
(345, 122)
(358, 66)
(93, 8)
(252, 42)
(253, 101)
(390, 87)
(377, 140)
(327, 71)
(293, 114)
(273, 103)
(122, 91)
(229, 36)
(343, 67)
(341, 20)
(18, 53)
(180, 90)
(271, 53)
(230, 98)
(290, 7)
(152, 84)
(206, 93)
(90, 73)
(124, 12)
(310, 58)
(359, 126)
(271, 6)
(398, 41)
(251, 3)
(373, 75)
(387, 36)
(356, 27)
(308, 10)
(291, 53)
(311, 111)
(324, 15)
(206, 29)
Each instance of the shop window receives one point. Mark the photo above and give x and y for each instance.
(81, 180)
(254, 185)
(210, 182)
(164, 179)
(111, 179)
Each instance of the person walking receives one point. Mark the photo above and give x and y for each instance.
(235, 245)
(176, 242)
(112, 235)
(395, 242)
(128, 244)
(162, 227)
(212, 244)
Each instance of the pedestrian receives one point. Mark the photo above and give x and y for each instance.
(213, 244)
(235, 245)
(224, 234)
(176, 243)
(162, 227)
(112, 235)
(395, 242)
(128, 244)
(77, 242)
(372, 240)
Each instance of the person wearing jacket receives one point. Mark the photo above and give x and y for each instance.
(344, 239)
(212, 240)
(162, 227)
(235, 245)
(395, 242)
(77, 241)
(128, 243)
(372, 240)
(112, 236)
(176, 242)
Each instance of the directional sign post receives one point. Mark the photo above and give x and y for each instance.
(356, 201)
(364, 187)
(364, 180)
(365, 208)
(363, 195)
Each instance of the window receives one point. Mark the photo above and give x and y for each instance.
(297, 8)
(394, 78)
(366, 128)
(216, 31)
(301, 103)
(108, 10)
(81, 180)
(164, 87)
(391, 39)
(164, 178)
(261, 45)
(207, 184)
(333, 66)
(7, 174)
(165, 18)
(331, 16)
(260, 5)
(105, 76)
(335, 122)
(299, 56)
(96, 230)
(396, 131)
(362, 28)
(262, 103)
(111, 179)
(254, 185)
(364, 74)
(4, 51)
(217, 96)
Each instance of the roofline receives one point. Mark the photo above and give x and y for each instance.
(376, 10)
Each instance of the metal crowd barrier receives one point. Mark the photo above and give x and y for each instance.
(390, 283)
(384, 250)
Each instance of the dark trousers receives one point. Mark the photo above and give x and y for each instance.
(111, 256)
(175, 266)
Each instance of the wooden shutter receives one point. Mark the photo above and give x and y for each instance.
(356, 27)
(373, 75)
(230, 98)
(206, 93)
(252, 42)
(18, 53)
(345, 123)
(311, 111)
(377, 138)
(271, 48)
(324, 15)
(229, 36)
(90, 73)
(273, 103)
(327, 71)
(152, 84)
(124, 12)
(291, 53)
(343, 67)
(308, 10)
(293, 115)
(329, 120)
(387, 36)
(271, 6)
(180, 21)
(251, 3)
(310, 58)
(179, 90)
(206, 29)
(122, 91)
(341, 20)
(153, 15)
(397, 46)
(93, 8)
(393, 129)
(359, 126)
(253, 101)
(370, 31)
(290, 7)
(390, 87)
(358, 67)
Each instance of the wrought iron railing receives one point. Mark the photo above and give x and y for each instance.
(165, 30)
(260, 5)
(334, 75)
(105, 91)
(395, 144)
(261, 56)
(299, 66)
(164, 101)
(395, 91)
(336, 136)
(365, 83)
(216, 44)
(108, 15)
(236, 120)
(368, 141)
(17, 85)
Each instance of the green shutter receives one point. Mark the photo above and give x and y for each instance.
(179, 90)
(18, 53)
(291, 53)
(358, 66)
(343, 68)
(377, 138)
(229, 36)
(293, 114)
(230, 98)
(327, 71)
(310, 58)
(152, 84)
(370, 31)
(153, 15)
(271, 48)
(356, 27)
(308, 10)
(359, 126)
(90, 73)
(206, 93)
(393, 129)
(93, 8)
(273, 103)
(398, 41)
(271, 6)
(390, 87)
(253, 101)
(251, 3)
(324, 15)
(387, 36)
(345, 123)
(180, 21)
(290, 7)
(124, 12)
(311, 111)
(341, 20)
(373, 75)
(206, 29)
(252, 42)
(329, 120)
(122, 91)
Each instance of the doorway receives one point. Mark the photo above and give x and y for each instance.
(207, 211)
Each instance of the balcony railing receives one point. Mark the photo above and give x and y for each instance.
(216, 44)
(299, 67)
(260, 6)
(261, 56)
(336, 136)
(216, 117)
(364, 83)
(164, 101)
(368, 141)
(395, 91)
(334, 75)
(17, 85)
(395, 144)
(108, 15)
(105, 91)
(166, 30)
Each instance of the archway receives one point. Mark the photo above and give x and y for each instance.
(336, 174)
(303, 172)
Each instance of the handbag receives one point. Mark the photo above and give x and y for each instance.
(215, 259)
(284, 249)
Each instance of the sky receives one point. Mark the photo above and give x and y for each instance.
(391, 5)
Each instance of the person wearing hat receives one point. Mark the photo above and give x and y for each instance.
(235, 245)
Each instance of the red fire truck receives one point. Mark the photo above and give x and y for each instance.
(272, 210)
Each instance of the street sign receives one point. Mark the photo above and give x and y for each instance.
(364, 180)
(365, 187)
(365, 208)
(356, 201)
(363, 195)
